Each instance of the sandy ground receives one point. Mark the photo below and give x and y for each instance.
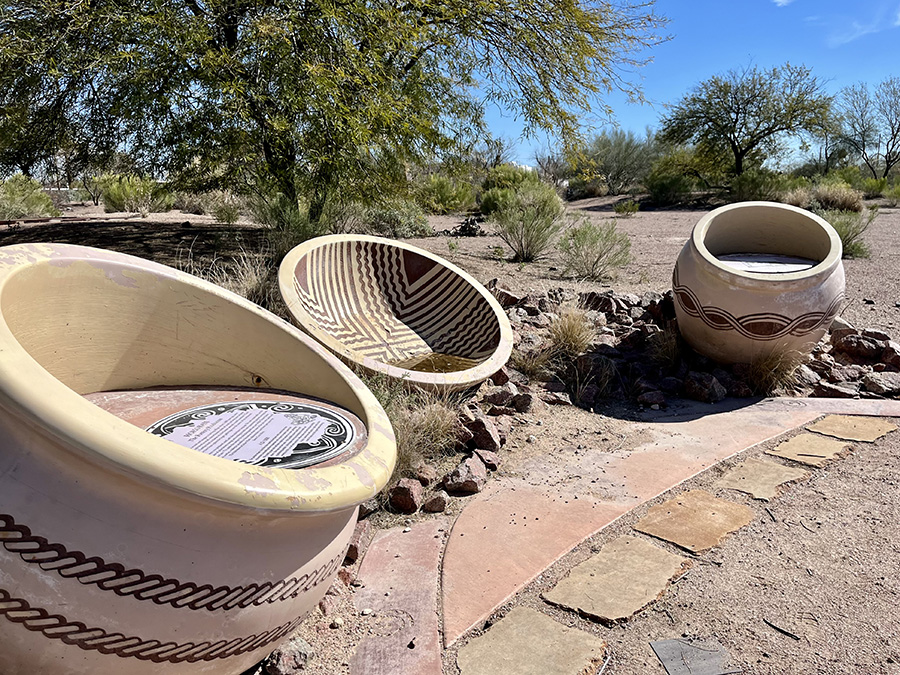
(822, 565)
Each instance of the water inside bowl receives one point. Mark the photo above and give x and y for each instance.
(767, 263)
(263, 427)
(436, 362)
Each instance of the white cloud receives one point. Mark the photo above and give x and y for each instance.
(782, 3)
(897, 18)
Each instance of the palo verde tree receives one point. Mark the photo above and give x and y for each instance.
(745, 113)
(871, 124)
(311, 96)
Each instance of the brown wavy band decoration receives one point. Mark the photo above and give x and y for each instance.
(58, 627)
(94, 571)
(762, 326)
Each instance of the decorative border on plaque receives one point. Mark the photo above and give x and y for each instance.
(282, 434)
(115, 577)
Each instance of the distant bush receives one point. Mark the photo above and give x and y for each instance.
(592, 251)
(874, 187)
(893, 195)
(800, 197)
(134, 194)
(224, 206)
(851, 226)
(622, 158)
(288, 223)
(755, 185)
(849, 175)
(627, 208)
(496, 199)
(398, 219)
(508, 176)
(585, 188)
(189, 202)
(833, 196)
(529, 223)
(23, 197)
(666, 188)
(442, 195)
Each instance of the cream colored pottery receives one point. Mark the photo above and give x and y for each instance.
(740, 316)
(396, 309)
(124, 552)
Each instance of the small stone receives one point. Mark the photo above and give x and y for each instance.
(839, 323)
(886, 384)
(365, 612)
(703, 387)
(501, 396)
(500, 411)
(556, 398)
(868, 301)
(406, 496)
(652, 398)
(484, 434)
(358, 541)
(468, 478)
(806, 375)
(879, 335)
(505, 297)
(437, 503)
(531, 439)
(289, 658)
(891, 354)
(328, 605)
(501, 377)
(839, 390)
(368, 507)
(337, 622)
(491, 459)
(425, 474)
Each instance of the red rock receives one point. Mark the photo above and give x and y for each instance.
(329, 605)
(425, 474)
(556, 398)
(654, 397)
(468, 478)
(437, 503)
(703, 387)
(491, 459)
(290, 658)
(406, 496)
(346, 576)
(358, 542)
(499, 411)
(501, 377)
(484, 434)
(891, 354)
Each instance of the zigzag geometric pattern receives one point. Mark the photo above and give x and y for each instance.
(761, 326)
(393, 305)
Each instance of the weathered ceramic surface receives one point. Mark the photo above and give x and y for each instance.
(123, 552)
(395, 309)
(737, 316)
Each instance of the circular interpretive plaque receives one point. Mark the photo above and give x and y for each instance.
(283, 434)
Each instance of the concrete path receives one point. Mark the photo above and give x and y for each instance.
(508, 535)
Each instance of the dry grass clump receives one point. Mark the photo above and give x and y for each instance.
(534, 364)
(837, 196)
(773, 374)
(426, 424)
(800, 197)
(851, 226)
(665, 348)
(570, 333)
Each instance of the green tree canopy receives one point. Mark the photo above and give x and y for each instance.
(745, 113)
(308, 96)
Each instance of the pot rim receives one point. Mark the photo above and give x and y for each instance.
(835, 252)
(29, 391)
(455, 380)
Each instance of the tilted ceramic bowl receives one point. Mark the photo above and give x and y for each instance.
(122, 551)
(395, 309)
(758, 279)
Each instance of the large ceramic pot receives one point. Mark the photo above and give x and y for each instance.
(394, 309)
(758, 279)
(123, 547)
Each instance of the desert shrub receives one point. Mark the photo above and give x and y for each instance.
(253, 275)
(627, 208)
(224, 206)
(874, 187)
(496, 199)
(397, 219)
(755, 185)
(834, 196)
(508, 176)
(592, 251)
(534, 364)
(570, 333)
(622, 158)
(442, 195)
(799, 196)
(23, 197)
(531, 221)
(135, 194)
(189, 202)
(893, 195)
(666, 188)
(288, 223)
(851, 226)
(584, 188)
(849, 175)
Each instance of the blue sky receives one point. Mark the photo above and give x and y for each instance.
(843, 42)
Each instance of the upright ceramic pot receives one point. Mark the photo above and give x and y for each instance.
(740, 315)
(122, 551)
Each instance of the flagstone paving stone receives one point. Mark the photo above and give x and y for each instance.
(853, 428)
(526, 642)
(760, 478)
(810, 449)
(693, 657)
(624, 577)
(694, 520)
(399, 577)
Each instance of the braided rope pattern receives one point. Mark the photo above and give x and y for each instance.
(94, 571)
(762, 326)
(58, 627)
